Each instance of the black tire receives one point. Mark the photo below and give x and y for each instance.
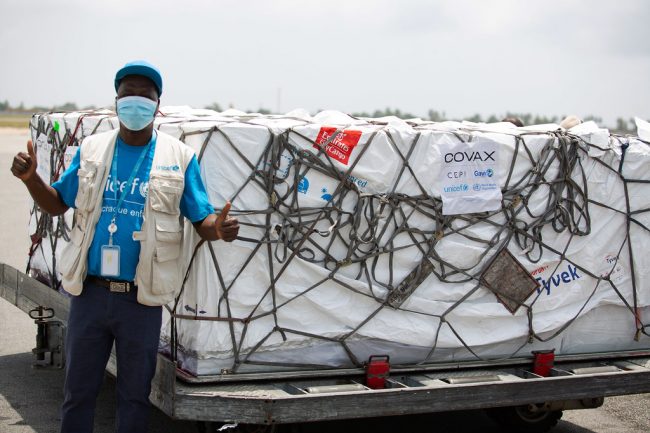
(517, 419)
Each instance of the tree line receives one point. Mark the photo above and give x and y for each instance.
(6, 107)
(622, 126)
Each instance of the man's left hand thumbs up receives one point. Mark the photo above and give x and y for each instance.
(226, 226)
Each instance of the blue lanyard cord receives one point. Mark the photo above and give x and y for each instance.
(127, 187)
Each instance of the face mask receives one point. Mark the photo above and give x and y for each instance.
(136, 112)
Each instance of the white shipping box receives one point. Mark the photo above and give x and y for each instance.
(338, 214)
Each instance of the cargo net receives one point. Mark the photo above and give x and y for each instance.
(378, 250)
(355, 254)
(56, 136)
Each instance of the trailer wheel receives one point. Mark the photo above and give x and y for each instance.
(521, 418)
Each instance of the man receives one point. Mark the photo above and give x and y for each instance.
(128, 188)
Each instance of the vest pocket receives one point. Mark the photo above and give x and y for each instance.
(168, 228)
(165, 194)
(165, 270)
(87, 175)
(164, 197)
(71, 254)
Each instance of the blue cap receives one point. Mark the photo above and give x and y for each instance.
(143, 68)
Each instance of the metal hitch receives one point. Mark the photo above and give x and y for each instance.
(49, 339)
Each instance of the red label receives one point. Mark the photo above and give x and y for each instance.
(339, 147)
(539, 270)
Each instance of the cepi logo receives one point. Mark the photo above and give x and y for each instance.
(456, 188)
(485, 173)
(456, 174)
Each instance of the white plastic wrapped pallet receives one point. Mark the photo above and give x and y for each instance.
(336, 212)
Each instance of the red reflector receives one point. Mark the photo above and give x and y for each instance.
(377, 371)
(543, 363)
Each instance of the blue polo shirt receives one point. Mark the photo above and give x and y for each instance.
(194, 204)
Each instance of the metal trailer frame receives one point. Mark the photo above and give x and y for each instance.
(576, 382)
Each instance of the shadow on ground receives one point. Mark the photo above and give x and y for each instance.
(36, 395)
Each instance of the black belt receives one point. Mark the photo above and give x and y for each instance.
(112, 285)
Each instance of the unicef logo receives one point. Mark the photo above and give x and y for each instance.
(144, 189)
(489, 172)
(456, 188)
(303, 185)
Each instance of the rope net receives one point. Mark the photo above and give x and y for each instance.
(347, 247)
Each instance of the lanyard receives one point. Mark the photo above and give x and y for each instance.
(112, 227)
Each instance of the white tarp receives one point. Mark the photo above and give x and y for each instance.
(336, 213)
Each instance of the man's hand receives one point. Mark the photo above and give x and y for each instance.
(24, 165)
(226, 227)
(24, 168)
(216, 227)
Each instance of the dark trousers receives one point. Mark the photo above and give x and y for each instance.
(97, 319)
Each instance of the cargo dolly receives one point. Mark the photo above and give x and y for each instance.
(513, 391)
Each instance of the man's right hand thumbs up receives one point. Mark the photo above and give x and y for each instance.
(24, 164)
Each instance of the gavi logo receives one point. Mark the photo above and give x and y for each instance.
(485, 173)
(557, 279)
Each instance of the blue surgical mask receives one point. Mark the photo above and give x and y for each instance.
(136, 112)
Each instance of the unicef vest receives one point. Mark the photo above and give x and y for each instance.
(159, 270)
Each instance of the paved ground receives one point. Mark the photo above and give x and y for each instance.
(29, 399)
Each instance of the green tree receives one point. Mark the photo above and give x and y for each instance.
(595, 119)
(68, 106)
(214, 106)
(623, 127)
(541, 120)
(526, 118)
(436, 116)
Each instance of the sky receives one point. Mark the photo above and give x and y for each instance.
(460, 57)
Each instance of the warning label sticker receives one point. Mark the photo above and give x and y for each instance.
(339, 145)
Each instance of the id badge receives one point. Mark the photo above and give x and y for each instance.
(110, 261)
